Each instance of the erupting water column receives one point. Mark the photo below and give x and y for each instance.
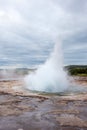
(51, 76)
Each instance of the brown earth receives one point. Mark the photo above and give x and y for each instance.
(21, 109)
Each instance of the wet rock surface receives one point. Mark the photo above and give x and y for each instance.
(24, 110)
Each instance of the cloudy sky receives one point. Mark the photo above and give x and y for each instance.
(30, 28)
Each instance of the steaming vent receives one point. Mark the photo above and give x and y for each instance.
(50, 77)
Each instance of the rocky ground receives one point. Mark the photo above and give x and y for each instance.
(21, 109)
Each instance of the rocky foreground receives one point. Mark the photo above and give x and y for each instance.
(21, 109)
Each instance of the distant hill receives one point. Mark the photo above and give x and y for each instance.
(79, 70)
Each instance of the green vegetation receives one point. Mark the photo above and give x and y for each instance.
(77, 70)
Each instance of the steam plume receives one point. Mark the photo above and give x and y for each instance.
(51, 76)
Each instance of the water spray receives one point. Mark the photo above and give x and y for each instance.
(51, 76)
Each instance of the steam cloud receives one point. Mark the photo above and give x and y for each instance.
(51, 76)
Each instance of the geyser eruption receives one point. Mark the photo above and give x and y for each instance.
(51, 76)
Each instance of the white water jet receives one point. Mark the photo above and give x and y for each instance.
(51, 76)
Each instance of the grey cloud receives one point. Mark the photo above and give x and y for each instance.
(36, 25)
(73, 6)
